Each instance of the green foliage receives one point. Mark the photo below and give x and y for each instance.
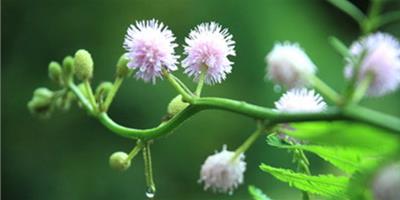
(324, 185)
(257, 194)
(346, 134)
(357, 149)
(346, 159)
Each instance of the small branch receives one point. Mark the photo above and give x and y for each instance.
(349, 9)
(148, 169)
(325, 90)
(110, 97)
(352, 113)
(89, 91)
(185, 96)
(201, 83)
(249, 141)
(86, 104)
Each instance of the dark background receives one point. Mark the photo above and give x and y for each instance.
(66, 157)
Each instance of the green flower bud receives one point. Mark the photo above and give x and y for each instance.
(122, 68)
(55, 72)
(68, 67)
(103, 89)
(119, 162)
(42, 102)
(176, 105)
(83, 64)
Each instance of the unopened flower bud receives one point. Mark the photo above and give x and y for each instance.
(68, 66)
(119, 161)
(176, 105)
(83, 64)
(41, 103)
(55, 72)
(103, 89)
(122, 67)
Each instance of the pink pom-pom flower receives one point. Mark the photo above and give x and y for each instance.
(381, 58)
(207, 48)
(150, 48)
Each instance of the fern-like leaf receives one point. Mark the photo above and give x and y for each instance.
(324, 185)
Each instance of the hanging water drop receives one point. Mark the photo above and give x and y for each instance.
(150, 192)
(277, 88)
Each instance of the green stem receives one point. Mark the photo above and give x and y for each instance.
(351, 113)
(187, 90)
(148, 168)
(89, 91)
(302, 166)
(371, 22)
(249, 141)
(185, 96)
(86, 104)
(135, 150)
(110, 97)
(362, 88)
(201, 83)
(325, 90)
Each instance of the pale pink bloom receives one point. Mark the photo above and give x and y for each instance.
(300, 101)
(288, 65)
(222, 174)
(207, 48)
(150, 48)
(381, 59)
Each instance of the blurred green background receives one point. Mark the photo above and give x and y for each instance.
(66, 157)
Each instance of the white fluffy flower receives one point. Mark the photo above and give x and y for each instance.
(381, 59)
(207, 48)
(300, 100)
(289, 65)
(222, 174)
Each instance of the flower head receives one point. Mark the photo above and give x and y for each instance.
(300, 100)
(150, 45)
(207, 48)
(289, 65)
(222, 174)
(381, 58)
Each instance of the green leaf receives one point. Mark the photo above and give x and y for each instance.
(257, 194)
(347, 159)
(346, 134)
(349, 9)
(324, 185)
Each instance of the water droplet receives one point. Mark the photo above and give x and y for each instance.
(150, 193)
(277, 88)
